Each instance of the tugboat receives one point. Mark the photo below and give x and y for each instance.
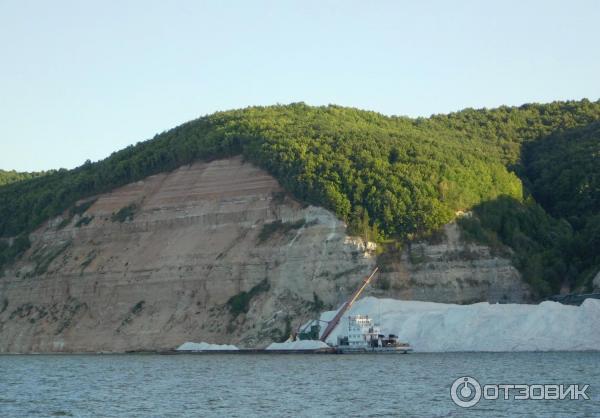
(365, 337)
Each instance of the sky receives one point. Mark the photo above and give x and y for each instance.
(81, 79)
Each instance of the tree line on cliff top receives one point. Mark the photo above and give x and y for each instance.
(7, 177)
(529, 173)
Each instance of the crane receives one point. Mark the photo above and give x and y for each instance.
(336, 319)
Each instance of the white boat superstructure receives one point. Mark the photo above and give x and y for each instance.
(365, 337)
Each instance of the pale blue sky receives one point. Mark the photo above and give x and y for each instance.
(80, 79)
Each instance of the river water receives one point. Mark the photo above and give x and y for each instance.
(286, 385)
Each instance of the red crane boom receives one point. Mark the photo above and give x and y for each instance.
(336, 319)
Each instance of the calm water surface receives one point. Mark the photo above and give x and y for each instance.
(284, 385)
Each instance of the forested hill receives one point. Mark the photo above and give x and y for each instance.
(391, 178)
(7, 177)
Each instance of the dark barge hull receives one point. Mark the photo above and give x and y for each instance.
(330, 350)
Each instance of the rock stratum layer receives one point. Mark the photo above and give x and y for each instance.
(213, 252)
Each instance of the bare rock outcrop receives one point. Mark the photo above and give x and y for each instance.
(453, 271)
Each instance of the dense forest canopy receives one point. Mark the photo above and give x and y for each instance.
(389, 177)
(12, 176)
(564, 173)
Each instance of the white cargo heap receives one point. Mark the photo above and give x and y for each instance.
(439, 327)
(298, 345)
(189, 346)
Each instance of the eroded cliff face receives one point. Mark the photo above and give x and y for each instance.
(211, 252)
(452, 271)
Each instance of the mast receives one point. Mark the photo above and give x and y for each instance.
(336, 319)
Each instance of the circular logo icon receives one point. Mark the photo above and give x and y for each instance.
(465, 392)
